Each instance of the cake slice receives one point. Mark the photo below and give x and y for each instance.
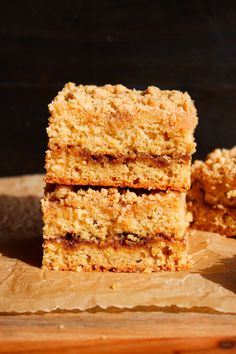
(122, 230)
(114, 136)
(212, 198)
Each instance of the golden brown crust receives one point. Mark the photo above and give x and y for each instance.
(116, 184)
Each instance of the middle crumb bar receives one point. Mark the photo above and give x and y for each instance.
(109, 228)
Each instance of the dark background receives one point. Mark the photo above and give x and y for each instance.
(186, 45)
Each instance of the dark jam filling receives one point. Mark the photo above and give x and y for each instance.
(71, 241)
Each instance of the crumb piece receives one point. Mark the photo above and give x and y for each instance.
(61, 326)
(115, 286)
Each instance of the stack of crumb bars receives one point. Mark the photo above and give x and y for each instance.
(117, 170)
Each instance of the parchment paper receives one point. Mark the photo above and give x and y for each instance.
(24, 287)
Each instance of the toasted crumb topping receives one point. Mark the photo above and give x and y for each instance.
(115, 98)
(217, 177)
(220, 165)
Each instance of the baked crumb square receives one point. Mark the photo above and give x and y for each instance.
(115, 136)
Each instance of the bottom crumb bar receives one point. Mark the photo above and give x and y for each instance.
(116, 229)
(154, 255)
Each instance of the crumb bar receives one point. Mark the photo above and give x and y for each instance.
(114, 229)
(126, 135)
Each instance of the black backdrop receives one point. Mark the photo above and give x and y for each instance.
(186, 45)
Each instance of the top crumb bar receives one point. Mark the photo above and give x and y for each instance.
(115, 136)
(115, 119)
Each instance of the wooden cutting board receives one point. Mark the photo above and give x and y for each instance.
(118, 332)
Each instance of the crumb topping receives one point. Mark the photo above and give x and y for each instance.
(114, 98)
(217, 176)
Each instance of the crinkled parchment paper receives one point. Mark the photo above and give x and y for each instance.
(24, 287)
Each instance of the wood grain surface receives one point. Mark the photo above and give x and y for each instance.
(163, 346)
(118, 332)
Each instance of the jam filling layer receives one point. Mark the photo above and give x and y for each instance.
(72, 241)
(157, 160)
